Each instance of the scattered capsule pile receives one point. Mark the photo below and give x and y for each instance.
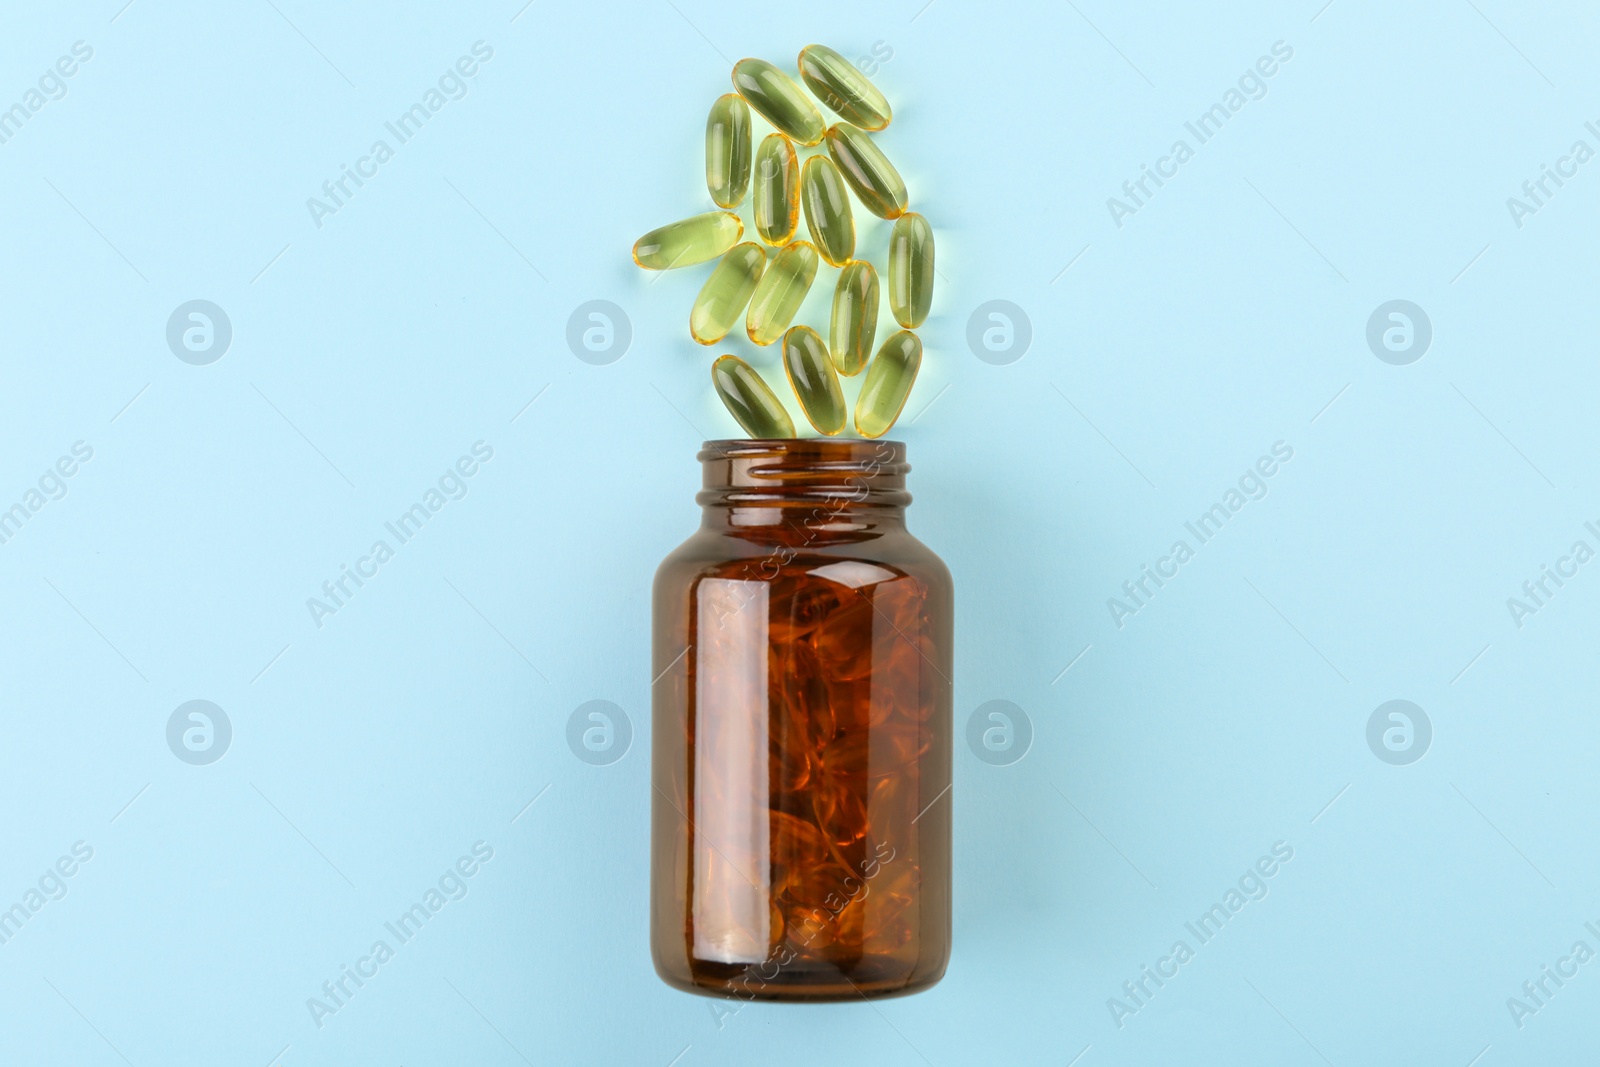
(768, 291)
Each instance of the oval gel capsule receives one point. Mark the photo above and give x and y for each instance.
(888, 383)
(777, 199)
(776, 98)
(749, 400)
(688, 241)
(855, 317)
(780, 292)
(725, 294)
(813, 379)
(875, 181)
(728, 150)
(910, 269)
(827, 204)
(843, 88)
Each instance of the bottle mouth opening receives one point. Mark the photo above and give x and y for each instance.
(802, 449)
(848, 472)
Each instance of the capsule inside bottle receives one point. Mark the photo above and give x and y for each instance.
(728, 150)
(749, 399)
(688, 241)
(889, 379)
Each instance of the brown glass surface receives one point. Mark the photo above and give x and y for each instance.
(802, 731)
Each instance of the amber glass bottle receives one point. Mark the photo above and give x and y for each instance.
(800, 845)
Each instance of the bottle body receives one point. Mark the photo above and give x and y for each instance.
(802, 732)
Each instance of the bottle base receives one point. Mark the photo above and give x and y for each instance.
(799, 983)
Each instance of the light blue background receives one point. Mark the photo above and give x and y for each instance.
(368, 354)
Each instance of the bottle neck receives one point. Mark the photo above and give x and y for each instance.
(799, 489)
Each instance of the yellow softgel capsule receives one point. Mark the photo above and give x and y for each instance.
(888, 383)
(843, 88)
(776, 98)
(876, 183)
(780, 292)
(910, 269)
(749, 400)
(827, 205)
(725, 294)
(812, 377)
(855, 317)
(777, 199)
(728, 150)
(688, 241)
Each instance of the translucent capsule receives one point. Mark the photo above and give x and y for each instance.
(778, 99)
(888, 383)
(728, 150)
(812, 377)
(827, 207)
(688, 241)
(868, 170)
(843, 88)
(780, 292)
(725, 294)
(777, 200)
(855, 317)
(910, 269)
(749, 400)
